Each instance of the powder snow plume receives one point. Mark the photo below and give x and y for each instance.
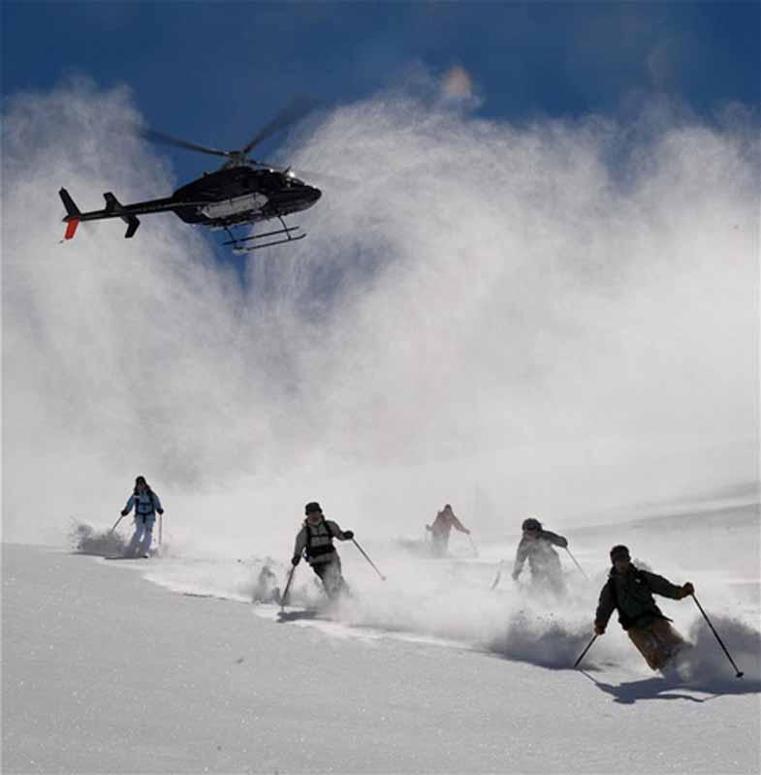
(551, 318)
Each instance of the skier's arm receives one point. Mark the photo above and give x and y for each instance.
(130, 503)
(458, 525)
(662, 586)
(554, 538)
(336, 532)
(520, 558)
(299, 546)
(157, 504)
(605, 608)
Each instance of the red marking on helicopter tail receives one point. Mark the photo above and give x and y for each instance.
(71, 228)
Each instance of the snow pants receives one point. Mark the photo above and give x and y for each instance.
(331, 577)
(439, 544)
(658, 642)
(141, 539)
(549, 582)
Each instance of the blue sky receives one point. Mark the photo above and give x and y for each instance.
(215, 71)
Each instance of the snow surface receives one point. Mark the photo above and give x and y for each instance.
(427, 672)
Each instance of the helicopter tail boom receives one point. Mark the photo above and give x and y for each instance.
(113, 207)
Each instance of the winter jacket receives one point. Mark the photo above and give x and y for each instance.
(317, 541)
(444, 522)
(542, 558)
(632, 594)
(146, 505)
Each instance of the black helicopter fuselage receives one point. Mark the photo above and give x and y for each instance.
(242, 194)
(230, 196)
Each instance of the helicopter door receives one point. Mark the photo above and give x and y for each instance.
(239, 204)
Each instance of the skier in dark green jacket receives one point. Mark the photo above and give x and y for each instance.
(630, 591)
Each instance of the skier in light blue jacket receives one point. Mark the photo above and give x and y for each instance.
(146, 504)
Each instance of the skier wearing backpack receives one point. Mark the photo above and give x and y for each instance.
(536, 546)
(315, 541)
(630, 591)
(146, 504)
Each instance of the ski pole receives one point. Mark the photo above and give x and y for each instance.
(473, 544)
(499, 575)
(364, 554)
(738, 672)
(161, 527)
(284, 598)
(116, 524)
(581, 656)
(577, 564)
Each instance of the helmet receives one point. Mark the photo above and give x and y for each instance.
(531, 524)
(619, 552)
(312, 507)
(140, 480)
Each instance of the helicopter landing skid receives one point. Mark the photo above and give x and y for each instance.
(241, 244)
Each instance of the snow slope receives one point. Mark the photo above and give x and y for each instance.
(105, 673)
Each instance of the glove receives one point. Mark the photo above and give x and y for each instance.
(599, 629)
(295, 560)
(124, 513)
(515, 577)
(467, 532)
(348, 535)
(687, 590)
(160, 511)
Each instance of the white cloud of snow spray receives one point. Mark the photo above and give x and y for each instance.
(558, 318)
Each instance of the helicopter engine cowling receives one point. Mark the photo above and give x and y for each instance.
(229, 207)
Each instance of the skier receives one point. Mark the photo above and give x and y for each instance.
(441, 528)
(315, 541)
(630, 590)
(536, 547)
(146, 504)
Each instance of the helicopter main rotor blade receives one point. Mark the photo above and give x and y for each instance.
(297, 109)
(160, 137)
(321, 178)
(325, 178)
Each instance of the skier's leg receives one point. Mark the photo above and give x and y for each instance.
(145, 543)
(555, 576)
(319, 569)
(669, 640)
(341, 587)
(557, 585)
(332, 580)
(135, 540)
(647, 645)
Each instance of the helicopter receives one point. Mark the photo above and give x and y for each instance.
(242, 191)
